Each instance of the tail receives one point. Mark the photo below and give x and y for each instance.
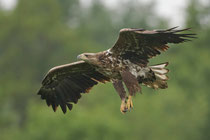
(159, 76)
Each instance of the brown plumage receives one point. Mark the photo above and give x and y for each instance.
(126, 62)
(64, 84)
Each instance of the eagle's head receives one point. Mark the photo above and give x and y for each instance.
(91, 58)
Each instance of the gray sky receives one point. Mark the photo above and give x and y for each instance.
(7, 4)
(171, 9)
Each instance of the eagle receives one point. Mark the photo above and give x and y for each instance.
(125, 65)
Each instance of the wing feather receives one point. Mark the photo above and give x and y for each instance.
(63, 85)
(138, 45)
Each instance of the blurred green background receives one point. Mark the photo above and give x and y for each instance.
(39, 34)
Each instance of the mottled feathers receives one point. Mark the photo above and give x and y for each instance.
(138, 45)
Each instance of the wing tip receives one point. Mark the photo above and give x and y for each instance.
(170, 29)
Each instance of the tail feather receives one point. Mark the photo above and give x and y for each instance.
(160, 71)
(160, 76)
(159, 66)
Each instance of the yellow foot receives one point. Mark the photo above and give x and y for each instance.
(129, 103)
(123, 107)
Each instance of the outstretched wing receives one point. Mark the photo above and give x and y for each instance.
(64, 84)
(138, 45)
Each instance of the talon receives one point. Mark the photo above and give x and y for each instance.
(123, 107)
(129, 103)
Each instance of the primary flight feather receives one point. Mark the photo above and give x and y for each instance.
(126, 62)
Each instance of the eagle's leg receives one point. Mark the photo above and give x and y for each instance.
(132, 85)
(118, 85)
(129, 103)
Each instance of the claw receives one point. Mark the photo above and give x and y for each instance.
(123, 107)
(129, 103)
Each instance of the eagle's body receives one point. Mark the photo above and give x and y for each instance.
(126, 62)
(112, 66)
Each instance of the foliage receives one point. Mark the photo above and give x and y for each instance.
(38, 35)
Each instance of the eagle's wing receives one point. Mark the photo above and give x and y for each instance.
(63, 84)
(138, 45)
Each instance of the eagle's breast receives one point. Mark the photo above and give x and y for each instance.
(112, 66)
(109, 65)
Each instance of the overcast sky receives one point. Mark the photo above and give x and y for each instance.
(171, 9)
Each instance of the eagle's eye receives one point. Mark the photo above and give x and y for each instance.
(86, 55)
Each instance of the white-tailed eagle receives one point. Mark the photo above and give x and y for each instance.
(126, 62)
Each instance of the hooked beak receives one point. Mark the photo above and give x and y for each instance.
(79, 57)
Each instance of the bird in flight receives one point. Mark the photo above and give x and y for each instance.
(125, 65)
